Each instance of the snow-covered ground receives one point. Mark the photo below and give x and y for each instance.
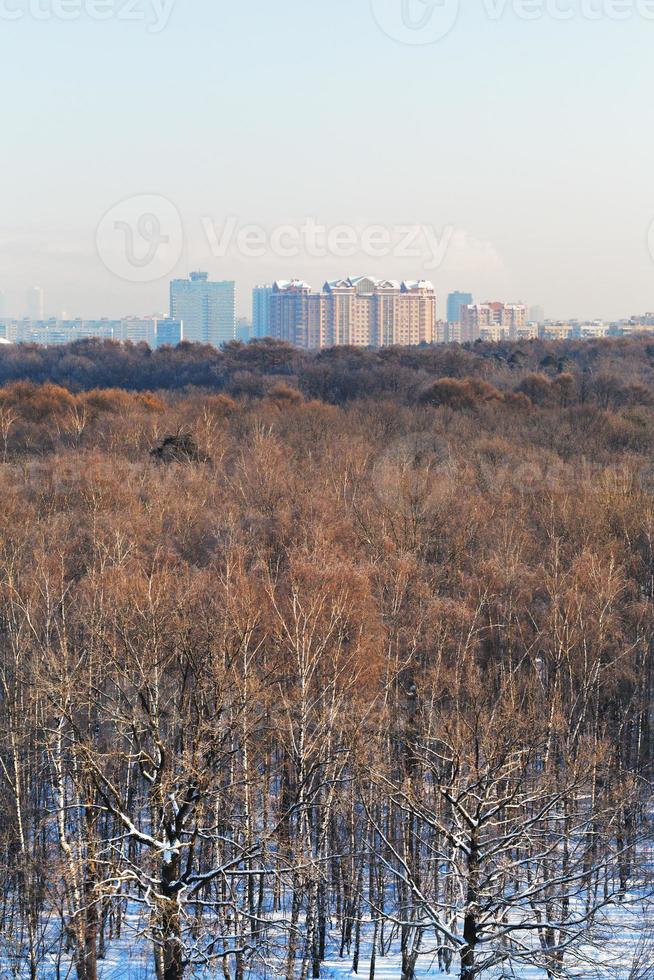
(611, 957)
(621, 948)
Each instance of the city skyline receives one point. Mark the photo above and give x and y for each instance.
(361, 311)
(537, 188)
(258, 310)
(15, 302)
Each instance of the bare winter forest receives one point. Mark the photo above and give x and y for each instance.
(322, 665)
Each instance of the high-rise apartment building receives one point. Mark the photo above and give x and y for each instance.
(170, 332)
(359, 312)
(442, 332)
(35, 303)
(296, 314)
(455, 303)
(138, 329)
(243, 329)
(206, 308)
(491, 321)
(261, 299)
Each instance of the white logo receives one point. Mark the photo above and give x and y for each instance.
(141, 239)
(417, 242)
(416, 21)
(154, 13)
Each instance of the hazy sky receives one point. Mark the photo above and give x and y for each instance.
(525, 146)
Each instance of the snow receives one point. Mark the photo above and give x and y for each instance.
(622, 933)
(618, 938)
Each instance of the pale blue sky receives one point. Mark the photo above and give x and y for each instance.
(532, 141)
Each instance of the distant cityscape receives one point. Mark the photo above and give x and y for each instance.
(361, 311)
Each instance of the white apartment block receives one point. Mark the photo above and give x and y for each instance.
(491, 321)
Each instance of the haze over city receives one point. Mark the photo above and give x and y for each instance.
(524, 145)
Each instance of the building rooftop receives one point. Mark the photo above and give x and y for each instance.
(290, 285)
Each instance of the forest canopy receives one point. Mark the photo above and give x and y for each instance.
(611, 372)
(338, 657)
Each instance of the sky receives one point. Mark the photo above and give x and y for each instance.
(500, 147)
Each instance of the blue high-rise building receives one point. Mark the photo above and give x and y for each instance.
(170, 333)
(207, 309)
(455, 302)
(261, 326)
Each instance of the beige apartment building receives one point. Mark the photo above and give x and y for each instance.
(491, 321)
(358, 312)
(530, 331)
(557, 331)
